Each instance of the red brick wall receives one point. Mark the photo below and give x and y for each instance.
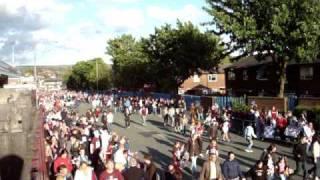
(309, 102)
(189, 84)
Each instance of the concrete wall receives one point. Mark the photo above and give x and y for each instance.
(17, 124)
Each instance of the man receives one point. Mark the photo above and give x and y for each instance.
(211, 169)
(110, 172)
(133, 173)
(127, 117)
(249, 135)
(231, 168)
(300, 153)
(173, 173)
(150, 168)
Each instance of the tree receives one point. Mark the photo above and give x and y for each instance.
(177, 53)
(286, 30)
(130, 64)
(84, 75)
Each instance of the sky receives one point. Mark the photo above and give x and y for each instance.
(62, 32)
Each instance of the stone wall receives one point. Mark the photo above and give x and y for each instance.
(17, 124)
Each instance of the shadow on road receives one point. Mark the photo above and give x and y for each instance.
(11, 167)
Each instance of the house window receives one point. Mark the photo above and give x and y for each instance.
(245, 75)
(262, 74)
(212, 77)
(306, 73)
(196, 78)
(231, 75)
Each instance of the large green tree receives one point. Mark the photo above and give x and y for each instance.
(130, 64)
(286, 30)
(176, 53)
(92, 74)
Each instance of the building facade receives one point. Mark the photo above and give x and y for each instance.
(251, 77)
(206, 83)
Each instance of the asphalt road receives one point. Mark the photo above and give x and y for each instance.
(157, 140)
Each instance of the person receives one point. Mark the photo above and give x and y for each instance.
(109, 120)
(272, 149)
(173, 173)
(144, 113)
(150, 168)
(85, 172)
(249, 135)
(231, 168)
(63, 159)
(316, 158)
(212, 148)
(225, 130)
(64, 173)
(194, 148)
(282, 168)
(110, 172)
(211, 169)
(258, 172)
(300, 156)
(133, 172)
(127, 117)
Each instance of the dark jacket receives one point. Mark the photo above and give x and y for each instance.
(300, 152)
(194, 148)
(151, 173)
(256, 173)
(133, 173)
(231, 169)
(205, 172)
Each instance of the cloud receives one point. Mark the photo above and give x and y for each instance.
(20, 19)
(167, 15)
(123, 20)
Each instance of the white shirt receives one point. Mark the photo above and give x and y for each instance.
(110, 117)
(119, 157)
(213, 170)
(249, 132)
(83, 176)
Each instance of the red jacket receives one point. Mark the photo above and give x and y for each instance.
(281, 122)
(115, 174)
(62, 161)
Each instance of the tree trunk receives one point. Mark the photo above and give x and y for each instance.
(282, 77)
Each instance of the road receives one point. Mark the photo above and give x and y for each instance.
(157, 140)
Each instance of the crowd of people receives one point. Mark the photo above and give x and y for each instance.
(85, 146)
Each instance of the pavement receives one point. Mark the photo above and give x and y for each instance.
(158, 141)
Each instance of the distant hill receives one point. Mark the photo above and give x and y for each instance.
(46, 71)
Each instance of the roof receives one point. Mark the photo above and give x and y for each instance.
(8, 70)
(251, 61)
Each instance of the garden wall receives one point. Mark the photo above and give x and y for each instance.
(268, 102)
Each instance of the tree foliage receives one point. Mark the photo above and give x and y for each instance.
(130, 64)
(177, 53)
(287, 30)
(85, 76)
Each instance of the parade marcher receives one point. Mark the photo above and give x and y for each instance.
(249, 135)
(300, 153)
(110, 172)
(133, 172)
(231, 168)
(194, 148)
(85, 172)
(258, 172)
(127, 117)
(144, 112)
(211, 169)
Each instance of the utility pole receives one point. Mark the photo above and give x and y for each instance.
(97, 74)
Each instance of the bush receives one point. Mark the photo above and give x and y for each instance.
(240, 107)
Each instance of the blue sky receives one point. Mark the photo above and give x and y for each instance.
(66, 31)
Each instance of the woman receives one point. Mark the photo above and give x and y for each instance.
(194, 149)
(282, 169)
(225, 131)
(258, 172)
(212, 148)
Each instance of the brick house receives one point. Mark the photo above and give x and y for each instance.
(205, 83)
(251, 77)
